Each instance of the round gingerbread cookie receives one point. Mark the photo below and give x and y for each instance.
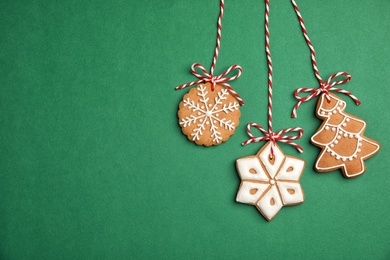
(208, 117)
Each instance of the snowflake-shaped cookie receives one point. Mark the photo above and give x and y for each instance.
(270, 184)
(208, 117)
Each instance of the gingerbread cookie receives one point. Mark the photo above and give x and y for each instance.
(341, 138)
(270, 184)
(208, 117)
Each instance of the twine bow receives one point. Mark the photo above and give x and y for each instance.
(273, 137)
(221, 79)
(325, 87)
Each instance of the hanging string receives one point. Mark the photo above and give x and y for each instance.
(209, 77)
(324, 87)
(270, 135)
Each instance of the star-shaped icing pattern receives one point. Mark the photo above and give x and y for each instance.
(269, 184)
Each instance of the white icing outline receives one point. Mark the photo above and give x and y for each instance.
(209, 115)
(326, 147)
(251, 180)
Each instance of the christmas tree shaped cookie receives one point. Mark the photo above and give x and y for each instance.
(341, 137)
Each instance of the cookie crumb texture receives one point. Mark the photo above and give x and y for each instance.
(208, 117)
(341, 137)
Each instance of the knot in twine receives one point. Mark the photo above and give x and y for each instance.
(273, 137)
(220, 79)
(325, 87)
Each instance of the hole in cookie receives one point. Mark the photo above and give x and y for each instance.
(272, 202)
(290, 169)
(271, 159)
(253, 171)
(291, 191)
(253, 191)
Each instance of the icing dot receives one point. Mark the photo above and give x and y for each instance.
(210, 105)
(272, 182)
(360, 144)
(351, 135)
(339, 137)
(322, 113)
(202, 107)
(358, 150)
(330, 113)
(336, 142)
(350, 158)
(215, 121)
(333, 129)
(201, 120)
(337, 157)
(355, 156)
(347, 119)
(338, 108)
(328, 150)
(207, 122)
(332, 153)
(344, 124)
(334, 111)
(326, 127)
(345, 135)
(332, 145)
(341, 132)
(217, 114)
(344, 159)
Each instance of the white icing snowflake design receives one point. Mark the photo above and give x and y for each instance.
(209, 114)
(270, 184)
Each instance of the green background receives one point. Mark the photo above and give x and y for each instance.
(93, 164)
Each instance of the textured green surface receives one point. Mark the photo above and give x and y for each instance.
(93, 164)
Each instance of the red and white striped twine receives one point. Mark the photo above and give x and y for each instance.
(273, 137)
(209, 77)
(269, 62)
(270, 135)
(324, 87)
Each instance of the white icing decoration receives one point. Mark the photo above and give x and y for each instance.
(297, 168)
(209, 113)
(270, 182)
(244, 195)
(265, 206)
(339, 133)
(248, 163)
(288, 198)
(279, 156)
